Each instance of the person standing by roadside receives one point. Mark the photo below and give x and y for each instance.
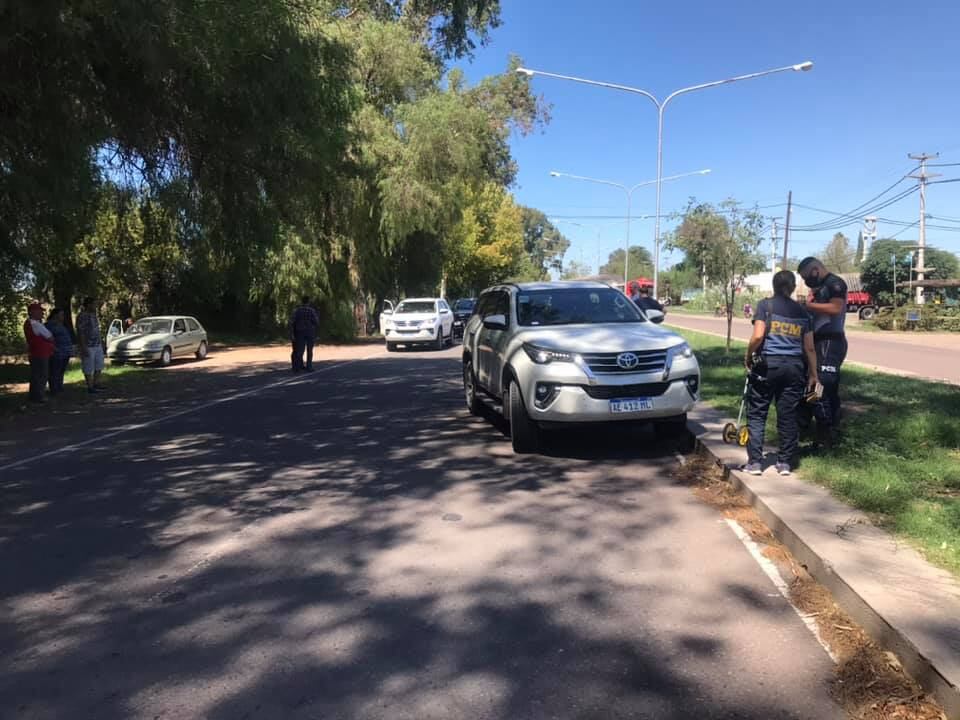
(645, 302)
(63, 349)
(40, 346)
(782, 338)
(828, 305)
(303, 332)
(90, 345)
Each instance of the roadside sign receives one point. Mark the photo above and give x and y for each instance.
(913, 316)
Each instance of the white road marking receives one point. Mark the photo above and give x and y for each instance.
(156, 421)
(771, 571)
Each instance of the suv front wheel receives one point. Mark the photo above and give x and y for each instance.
(524, 433)
(470, 390)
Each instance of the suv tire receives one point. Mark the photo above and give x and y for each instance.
(524, 433)
(440, 343)
(474, 405)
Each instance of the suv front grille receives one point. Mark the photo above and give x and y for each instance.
(609, 392)
(648, 361)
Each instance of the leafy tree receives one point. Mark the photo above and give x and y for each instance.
(726, 240)
(575, 269)
(641, 263)
(486, 246)
(682, 276)
(877, 271)
(229, 156)
(838, 256)
(545, 245)
(859, 258)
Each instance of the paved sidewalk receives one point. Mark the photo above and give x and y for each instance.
(905, 603)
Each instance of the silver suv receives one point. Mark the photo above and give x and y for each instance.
(556, 353)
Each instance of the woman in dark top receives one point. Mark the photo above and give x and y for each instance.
(62, 352)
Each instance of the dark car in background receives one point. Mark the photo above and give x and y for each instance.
(462, 310)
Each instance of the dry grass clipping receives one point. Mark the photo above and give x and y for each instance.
(870, 684)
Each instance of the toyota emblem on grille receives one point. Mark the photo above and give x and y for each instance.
(627, 361)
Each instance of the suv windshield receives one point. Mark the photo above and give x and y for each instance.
(422, 306)
(464, 305)
(575, 306)
(147, 327)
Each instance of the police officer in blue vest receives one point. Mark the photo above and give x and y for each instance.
(782, 362)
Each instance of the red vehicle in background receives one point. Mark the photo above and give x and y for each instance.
(860, 301)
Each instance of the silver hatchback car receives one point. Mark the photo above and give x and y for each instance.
(156, 339)
(560, 353)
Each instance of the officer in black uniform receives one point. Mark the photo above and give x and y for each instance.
(782, 362)
(827, 304)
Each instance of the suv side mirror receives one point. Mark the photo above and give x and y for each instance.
(654, 316)
(495, 322)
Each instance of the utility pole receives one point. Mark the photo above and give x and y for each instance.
(786, 229)
(773, 246)
(922, 178)
(893, 261)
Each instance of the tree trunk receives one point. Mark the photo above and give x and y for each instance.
(63, 297)
(730, 302)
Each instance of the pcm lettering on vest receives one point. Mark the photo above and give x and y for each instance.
(779, 327)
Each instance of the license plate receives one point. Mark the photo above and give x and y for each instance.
(630, 405)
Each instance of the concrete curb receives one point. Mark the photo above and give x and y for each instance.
(904, 603)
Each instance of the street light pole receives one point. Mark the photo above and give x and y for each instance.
(629, 194)
(661, 106)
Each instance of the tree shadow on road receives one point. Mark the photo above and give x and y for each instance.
(355, 546)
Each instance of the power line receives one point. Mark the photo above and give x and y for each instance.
(846, 219)
(859, 210)
(905, 228)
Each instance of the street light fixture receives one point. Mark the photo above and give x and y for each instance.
(629, 192)
(661, 106)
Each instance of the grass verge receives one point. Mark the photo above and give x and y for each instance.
(899, 456)
(74, 386)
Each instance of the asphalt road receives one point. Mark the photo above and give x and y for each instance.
(927, 355)
(353, 545)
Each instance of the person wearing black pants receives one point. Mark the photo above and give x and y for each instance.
(781, 361)
(828, 305)
(63, 342)
(303, 332)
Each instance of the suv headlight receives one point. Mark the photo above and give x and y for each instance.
(683, 350)
(544, 356)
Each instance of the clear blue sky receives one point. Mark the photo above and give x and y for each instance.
(885, 83)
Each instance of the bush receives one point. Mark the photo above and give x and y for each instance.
(12, 316)
(933, 318)
(708, 301)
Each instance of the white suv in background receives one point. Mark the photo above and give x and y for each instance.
(418, 321)
(561, 353)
